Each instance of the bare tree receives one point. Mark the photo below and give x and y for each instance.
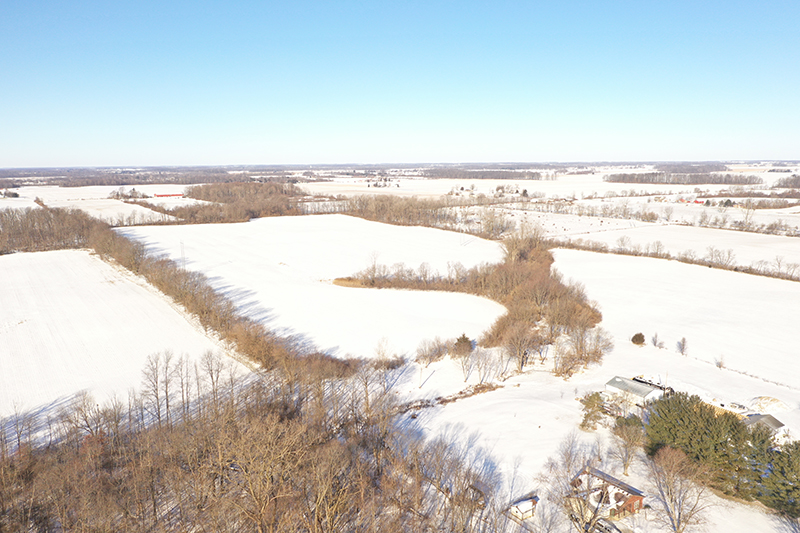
(559, 478)
(151, 385)
(583, 346)
(680, 499)
(658, 343)
(628, 439)
(167, 375)
(486, 363)
(519, 341)
(183, 371)
(212, 366)
(84, 415)
(682, 346)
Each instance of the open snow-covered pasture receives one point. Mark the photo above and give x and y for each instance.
(575, 186)
(280, 270)
(71, 322)
(672, 209)
(737, 323)
(95, 201)
(766, 252)
(556, 225)
(18, 203)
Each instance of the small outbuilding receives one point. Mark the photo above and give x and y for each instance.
(765, 420)
(523, 508)
(635, 392)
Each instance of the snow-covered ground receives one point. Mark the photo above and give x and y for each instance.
(17, 203)
(743, 321)
(280, 271)
(763, 251)
(569, 185)
(565, 186)
(71, 322)
(749, 249)
(95, 201)
(739, 327)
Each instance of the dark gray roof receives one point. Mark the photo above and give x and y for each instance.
(611, 480)
(767, 420)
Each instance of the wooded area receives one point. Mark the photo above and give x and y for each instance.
(669, 178)
(201, 449)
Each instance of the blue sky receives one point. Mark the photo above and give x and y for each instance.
(300, 82)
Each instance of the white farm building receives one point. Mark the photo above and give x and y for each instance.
(635, 392)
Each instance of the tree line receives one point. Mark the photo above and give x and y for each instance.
(789, 182)
(691, 168)
(668, 178)
(483, 174)
(233, 202)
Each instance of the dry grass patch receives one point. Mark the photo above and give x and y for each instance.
(349, 282)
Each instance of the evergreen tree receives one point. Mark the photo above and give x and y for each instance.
(675, 421)
(736, 457)
(462, 346)
(782, 484)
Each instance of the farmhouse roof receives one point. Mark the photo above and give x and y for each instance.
(525, 503)
(767, 420)
(611, 480)
(630, 386)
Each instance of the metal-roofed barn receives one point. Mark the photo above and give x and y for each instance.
(634, 391)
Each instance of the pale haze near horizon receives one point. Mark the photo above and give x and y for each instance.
(216, 83)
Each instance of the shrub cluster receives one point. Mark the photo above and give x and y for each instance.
(238, 202)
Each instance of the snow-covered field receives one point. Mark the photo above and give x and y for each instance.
(520, 425)
(17, 203)
(71, 322)
(763, 251)
(95, 201)
(741, 322)
(566, 186)
(280, 271)
(749, 249)
(569, 185)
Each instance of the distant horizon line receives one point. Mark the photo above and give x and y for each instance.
(399, 165)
